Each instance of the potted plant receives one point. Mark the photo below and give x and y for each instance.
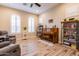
(65, 19)
(24, 32)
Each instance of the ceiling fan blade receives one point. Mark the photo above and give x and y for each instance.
(38, 4)
(31, 5)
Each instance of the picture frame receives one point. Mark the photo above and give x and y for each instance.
(50, 20)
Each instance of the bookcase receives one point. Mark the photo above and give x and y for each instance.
(39, 30)
(70, 33)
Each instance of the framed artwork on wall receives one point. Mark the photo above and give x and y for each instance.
(50, 20)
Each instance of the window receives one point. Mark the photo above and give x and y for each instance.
(40, 21)
(31, 24)
(15, 24)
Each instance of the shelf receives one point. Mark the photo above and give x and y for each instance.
(70, 21)
(69, 28)
(70, 31)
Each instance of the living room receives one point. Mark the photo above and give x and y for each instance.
(39, 29)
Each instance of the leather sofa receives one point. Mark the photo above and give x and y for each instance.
(5, 36)
(8, 46)
(7, 49)
(3, 44)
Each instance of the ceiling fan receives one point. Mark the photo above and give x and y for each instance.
(31, 5)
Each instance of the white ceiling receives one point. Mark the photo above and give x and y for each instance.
(36, 10)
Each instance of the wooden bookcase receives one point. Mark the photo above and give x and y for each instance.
(70, 33)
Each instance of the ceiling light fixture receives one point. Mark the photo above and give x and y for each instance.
(37, 11)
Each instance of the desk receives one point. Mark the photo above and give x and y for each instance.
(51, 35)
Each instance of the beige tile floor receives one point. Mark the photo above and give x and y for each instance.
(34, 46)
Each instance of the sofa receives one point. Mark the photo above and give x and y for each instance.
(5, 36)
(3, 44)
(7, 49)
(8, 46)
